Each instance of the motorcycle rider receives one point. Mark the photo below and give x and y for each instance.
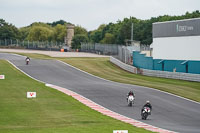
(147, 105)
(27, 60)
(130, 93)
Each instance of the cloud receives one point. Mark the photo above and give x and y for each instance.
(90, 13)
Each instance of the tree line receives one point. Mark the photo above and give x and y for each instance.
(120, 32)
(37, 31)
(112, 33)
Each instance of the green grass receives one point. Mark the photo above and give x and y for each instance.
(51, 112)
(102, 67)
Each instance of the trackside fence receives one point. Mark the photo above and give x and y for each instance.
(105, 49)
(155, 73)
(38, 45)
(121, 52)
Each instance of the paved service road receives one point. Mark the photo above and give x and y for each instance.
(169, 112)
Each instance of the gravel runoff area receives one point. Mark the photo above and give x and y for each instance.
(54, 53)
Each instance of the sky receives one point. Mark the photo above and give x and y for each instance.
(90, 14)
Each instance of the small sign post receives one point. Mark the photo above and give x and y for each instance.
(31, 94)
(2, 76)
(120, 131)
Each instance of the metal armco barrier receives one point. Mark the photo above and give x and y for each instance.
(124, 66)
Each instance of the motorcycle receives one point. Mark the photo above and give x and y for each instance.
(145, 112)
(27, 61)
(131, 100)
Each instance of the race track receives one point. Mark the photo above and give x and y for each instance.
(169, 112)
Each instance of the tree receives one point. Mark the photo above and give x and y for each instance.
(78, 39)
(80, 30)
(60, 32)
(40, 24)
(108, 39)
(97, 35)
(8, 31)
(39, 33)
(24, 32)
(61, 22)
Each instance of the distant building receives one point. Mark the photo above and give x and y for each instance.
(176, 47)
(70, 35)
(177, 40)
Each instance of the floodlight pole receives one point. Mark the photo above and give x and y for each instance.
(132, 32)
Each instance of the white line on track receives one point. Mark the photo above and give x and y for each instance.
(129, 84)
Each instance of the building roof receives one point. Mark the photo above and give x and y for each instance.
(177, 20)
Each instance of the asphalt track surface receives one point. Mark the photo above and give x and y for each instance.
(169, 112)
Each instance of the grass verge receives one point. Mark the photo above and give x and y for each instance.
(51, 112)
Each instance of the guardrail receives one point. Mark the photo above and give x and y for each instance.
(124, 66)
(155, 73)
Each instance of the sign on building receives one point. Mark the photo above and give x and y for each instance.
(187, 27)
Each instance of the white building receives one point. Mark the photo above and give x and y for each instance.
(177, 40)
